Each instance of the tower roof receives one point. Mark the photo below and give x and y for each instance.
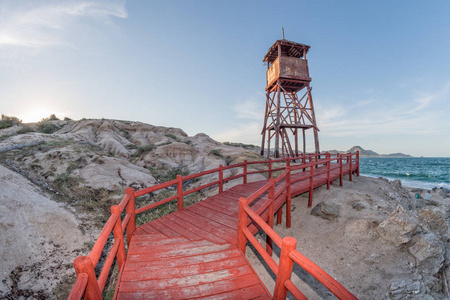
(288, 48)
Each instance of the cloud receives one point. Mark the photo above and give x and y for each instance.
(403, 117)
(245, 132)
(247, 122)
(250, 109)
(36, 27)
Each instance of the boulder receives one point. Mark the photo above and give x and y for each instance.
(433, 219)
(326, 210)
(404, 288)
(398, 228)
(428, 250)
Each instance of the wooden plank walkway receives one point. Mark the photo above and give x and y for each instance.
(192, 252)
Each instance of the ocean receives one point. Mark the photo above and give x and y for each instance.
(422, 172)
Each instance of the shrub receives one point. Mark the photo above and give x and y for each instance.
(7, 121)
(144, 149)
(51, 118)
(171, 136)
(216, 152)
(47, 127)
(172, 173)
(25, 129)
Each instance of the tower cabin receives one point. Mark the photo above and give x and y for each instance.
(286, 61)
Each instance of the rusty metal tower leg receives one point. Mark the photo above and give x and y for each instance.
(313, 115)
(266, 115)
(277, 124)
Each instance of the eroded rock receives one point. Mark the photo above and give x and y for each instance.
(428, 250)
(433, 219)
(326, 210)
(398, 228)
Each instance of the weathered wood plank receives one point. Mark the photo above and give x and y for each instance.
(221, 218)
(209, 225)
(202, 290)
(166, 221)
(185, 281)
(201, 231)
(183, 271)
(149, 254)
(183, 261)
(167, 231)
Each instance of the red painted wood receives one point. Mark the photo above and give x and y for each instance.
(226, 253)
(202, 290)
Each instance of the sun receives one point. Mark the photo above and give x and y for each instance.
(36, 114)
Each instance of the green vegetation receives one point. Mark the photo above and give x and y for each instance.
(64, 180)
(218, 153)
(171, 136)
(165, 173)
(7, 121)
(241, 145)
(25, 129)
(144, 149)
(51, 118)
(4, 137)
(47, 127)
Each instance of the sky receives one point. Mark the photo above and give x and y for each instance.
(380, 69)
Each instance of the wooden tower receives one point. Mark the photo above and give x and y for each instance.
(287, 113)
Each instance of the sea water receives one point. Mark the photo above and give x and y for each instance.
(423, 172)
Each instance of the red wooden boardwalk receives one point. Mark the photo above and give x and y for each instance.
(194, 253)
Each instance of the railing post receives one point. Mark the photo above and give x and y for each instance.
(83, 264)
(242, 223)
(180, 192)
(328, 158)
(245, 172)
(288, 199)
(269, 242)
(220, 179)
(130, 209)
(357, 163)
(285, 267)
(311, 181)
(350, 167)
(270, 168)
(303, 161)
(118, 235)
(341, 174)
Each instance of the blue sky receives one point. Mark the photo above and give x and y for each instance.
(380, 69)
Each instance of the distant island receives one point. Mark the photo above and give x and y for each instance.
(370, 153)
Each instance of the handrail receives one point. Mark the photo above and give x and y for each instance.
(288, 255)
(88, 286)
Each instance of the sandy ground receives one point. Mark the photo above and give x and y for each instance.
(39, 239)
(347, 247)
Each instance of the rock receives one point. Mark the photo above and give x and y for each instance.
(433, 219)
(428, 250)
(444, 193)
(397, 182)
(326, 210)
(405, 288)
(398, 228)
(358, 206)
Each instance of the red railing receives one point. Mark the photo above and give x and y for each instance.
(87, 284)
(288, 255)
